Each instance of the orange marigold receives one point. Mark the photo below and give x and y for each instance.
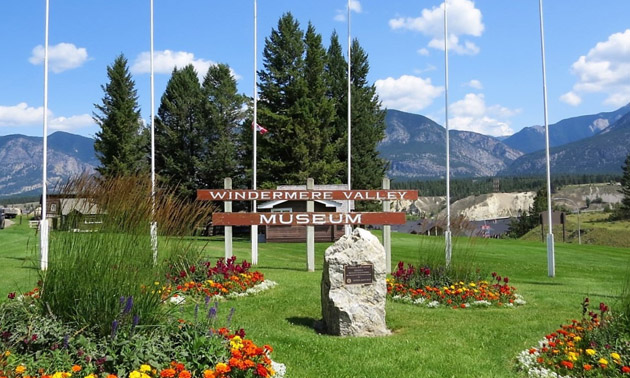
(168, 373)
(222, 368)
(208, 374)
(184, 374)
(76, 368)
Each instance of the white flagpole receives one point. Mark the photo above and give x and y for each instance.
(254, 231)
(551, 260)
(154, 239)
(43, 224)
(447, 233)
(348, 228)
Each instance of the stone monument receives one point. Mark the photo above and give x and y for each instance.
(354, 287)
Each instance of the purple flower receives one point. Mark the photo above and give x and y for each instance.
(128, 306)
(114, 328)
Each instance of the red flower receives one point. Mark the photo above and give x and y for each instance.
(261, 370)
(532, 351)
(184, 374)
(587, 367)
(11, 296)
(625, 369)
(567, 364)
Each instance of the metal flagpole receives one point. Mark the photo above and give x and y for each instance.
(254, 231)
(551, 260)
(348, 228)
(447, 233)
(43, 223)
(154, 239)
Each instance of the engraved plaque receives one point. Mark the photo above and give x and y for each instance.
(358, 274)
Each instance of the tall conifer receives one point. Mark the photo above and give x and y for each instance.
(178, 135)
(222, 118)
(119, 145)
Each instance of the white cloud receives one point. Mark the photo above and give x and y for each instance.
(24, 115)
(340, 14)
(407, 93)
(61, 57)
(424, 51)
(474, 83)
(463, 19)
(472, 114)
(166, 60)
(604, 69)
(571, 98)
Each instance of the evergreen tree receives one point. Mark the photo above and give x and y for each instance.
(368, 125)
(531, 219)
(319, 114)
(294, 108)
(120, 145)
(178, 132)
(368, 119)
(623, 212)
(336, 74)
(222, 117)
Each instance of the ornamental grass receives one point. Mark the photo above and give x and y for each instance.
(90, 272)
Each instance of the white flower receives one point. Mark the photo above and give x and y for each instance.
(280, 369)
(179, 300)
(433, 304)
(481, 303)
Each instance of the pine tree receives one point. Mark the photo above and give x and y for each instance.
(624, 210)
(120, 145)
(368, 125)
(319, 113)
(178, 132)
(368, 119)
(294, 108)
(222, 118)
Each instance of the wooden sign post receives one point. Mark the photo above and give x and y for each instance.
(309, 218)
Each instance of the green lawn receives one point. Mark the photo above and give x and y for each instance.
(425, 342)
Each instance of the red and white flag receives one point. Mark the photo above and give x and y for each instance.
(260, 129)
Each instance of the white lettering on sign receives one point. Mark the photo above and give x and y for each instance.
(309, 219)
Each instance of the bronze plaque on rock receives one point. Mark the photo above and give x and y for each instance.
(358, 274)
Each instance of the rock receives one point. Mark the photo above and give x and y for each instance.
(354, 309)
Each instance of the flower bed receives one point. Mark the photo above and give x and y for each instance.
(36, 346)
(434, 288)
(598, 345)
(225, 278)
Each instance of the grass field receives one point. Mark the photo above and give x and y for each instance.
(425, 342)
(595, 228)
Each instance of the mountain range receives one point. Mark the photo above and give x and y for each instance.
(413, 144)
(21, 161)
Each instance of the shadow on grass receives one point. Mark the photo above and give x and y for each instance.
(544, 283)
(282, 268)
(307, 322)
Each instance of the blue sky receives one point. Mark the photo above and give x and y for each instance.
(495, 67)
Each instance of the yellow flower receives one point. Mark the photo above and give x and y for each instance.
(145, 368)
(577, 338)
(7, 353)
(573, 356)
(590, 352)
(472, 284)
(20, 369)
(90, 376)
(615, 356)
(135, 374)
(236, 342)
(156, 283)
(603, 361)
